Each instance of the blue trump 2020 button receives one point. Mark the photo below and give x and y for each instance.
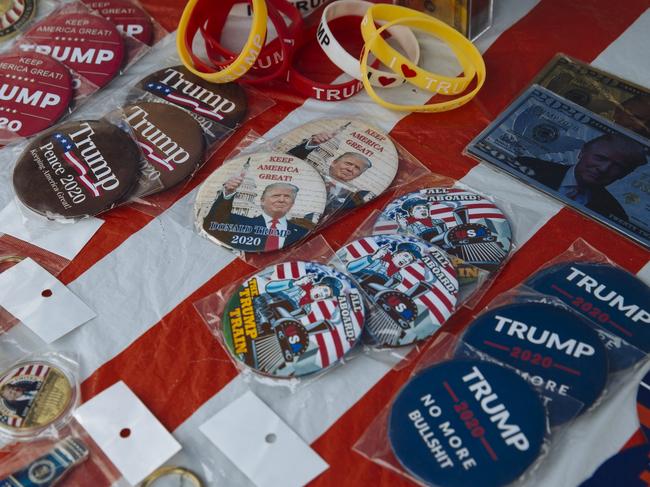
(554, 349)
(611, 297)
(466, 422)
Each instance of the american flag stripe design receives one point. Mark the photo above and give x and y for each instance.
(330, 347)
(411, 276)
(12, 15)
(150, 154)
(195, 105)
(81, 169)
(290, 270)
(475, 212)
(361, 247)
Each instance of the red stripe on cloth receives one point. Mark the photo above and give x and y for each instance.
(295, 270)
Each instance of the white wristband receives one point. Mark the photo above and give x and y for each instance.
(346, 61)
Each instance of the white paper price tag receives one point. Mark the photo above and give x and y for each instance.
(41, 302)
(261, 445)
(127, 432)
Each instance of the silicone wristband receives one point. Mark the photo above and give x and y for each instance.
(320, 91)
(350, 64)
(195, 14)
(278, 52)
(422, 24)
(305, 7)
(435, 83)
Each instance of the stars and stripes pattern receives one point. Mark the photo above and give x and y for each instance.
(156, 315)
(150, 153)
(176, 98)
(290, 270)
(362, 247)
(476, 212)
(73, 160)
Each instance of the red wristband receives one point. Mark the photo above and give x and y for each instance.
(320, 91)
(275, 57)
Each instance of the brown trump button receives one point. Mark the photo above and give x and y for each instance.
(216, 107)
(77, 169)
(170, 139)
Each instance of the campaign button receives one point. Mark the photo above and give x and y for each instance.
(629, 468)
(88, 44)
(460, 222)
(170, 140)
(77, 169)
(466, 423)
(554, 349)
(217, 107)
(357, 161)
(127, 17)
(260, 202)
(33, 396)
(293, 319)
(35, 91)
(612, 298)
(412, 283)
(14, 14)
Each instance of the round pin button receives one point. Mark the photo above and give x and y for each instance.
(357, 161)
(462, 423)
(293, 319)
(35, 91)
(611, 297)
(555, 349)
(77, 169)
(413, 284)
(629, 468)
(33, 396)
(460, 222)
(128, 18)
(88, 44)
(216, 107)
(170, 139)
(14, 14)
(260, 202)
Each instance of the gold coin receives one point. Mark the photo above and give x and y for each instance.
(14, 14)
(33, 396)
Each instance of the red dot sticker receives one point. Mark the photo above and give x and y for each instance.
(127, 17)
(86, 43)
(35, 91)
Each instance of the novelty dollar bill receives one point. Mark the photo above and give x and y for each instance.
(589, 163)
(618, 100)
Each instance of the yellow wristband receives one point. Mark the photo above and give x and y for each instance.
(464, 50)
(195, 14)
(421, 24)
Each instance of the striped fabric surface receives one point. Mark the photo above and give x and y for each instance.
(142, 274)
